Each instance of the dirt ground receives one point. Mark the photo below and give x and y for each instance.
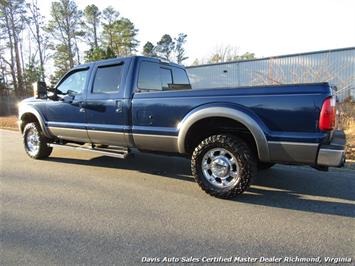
(8, 122)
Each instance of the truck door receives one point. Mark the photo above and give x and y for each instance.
(106, 109)
(65, 116)
(156, 111)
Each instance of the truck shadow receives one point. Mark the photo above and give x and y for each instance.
(172, 167)
(304, 189)
(288, 187)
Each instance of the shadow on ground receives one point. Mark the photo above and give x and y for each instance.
(294, 188)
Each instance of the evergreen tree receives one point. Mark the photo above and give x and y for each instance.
(32, 73)
(110, 16)
(118, 34)
(179, 49)
(92, 18)
(149, 49)
(165, 46)
(65, 28)
(95, 54)
(124, 42)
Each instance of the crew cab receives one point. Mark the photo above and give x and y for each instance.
(138, 103)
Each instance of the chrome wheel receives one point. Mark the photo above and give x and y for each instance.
(220, 168)
(32, 141)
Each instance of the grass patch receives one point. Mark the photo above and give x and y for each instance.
(350, 141)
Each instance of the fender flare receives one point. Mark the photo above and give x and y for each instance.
(226, 112)
(28, 109)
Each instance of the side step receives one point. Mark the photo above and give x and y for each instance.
(120, 152)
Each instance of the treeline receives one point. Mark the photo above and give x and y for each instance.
(224, 53)
(29, 42)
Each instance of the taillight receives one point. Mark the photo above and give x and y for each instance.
(327, 114)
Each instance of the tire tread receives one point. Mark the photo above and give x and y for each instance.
(246, 160)
(44, 149)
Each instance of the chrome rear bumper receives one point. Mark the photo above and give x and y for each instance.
(334, 153)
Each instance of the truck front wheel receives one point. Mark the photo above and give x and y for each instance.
(223, 165)
(36, 144)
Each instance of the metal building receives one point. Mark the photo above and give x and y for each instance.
(335, 66)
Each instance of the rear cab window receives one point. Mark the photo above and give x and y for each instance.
(166, 78)
(108, 79)
(161, 77)
(181, 81)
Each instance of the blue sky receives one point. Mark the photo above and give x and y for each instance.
(267, 28)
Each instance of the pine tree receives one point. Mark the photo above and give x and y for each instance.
(179, 49)
(109, 15)
(165, 46)
(65, 28)
(149, 49)
(92, 18)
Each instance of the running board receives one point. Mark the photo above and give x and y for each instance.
(118, 153)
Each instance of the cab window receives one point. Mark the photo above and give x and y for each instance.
(74, 83)
(108, 79)
(181, 81)
(165, 78)
(155, 77)
(149, 76)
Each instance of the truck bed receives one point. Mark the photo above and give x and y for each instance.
(285, 112)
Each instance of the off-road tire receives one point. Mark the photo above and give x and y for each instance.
(245, 158)
(44, 151)
(264, 166)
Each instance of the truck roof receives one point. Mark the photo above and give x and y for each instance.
(153, 59)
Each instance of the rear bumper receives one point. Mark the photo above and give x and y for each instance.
(334, 153)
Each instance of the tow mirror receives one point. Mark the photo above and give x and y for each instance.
(67, 98)
(40, 90)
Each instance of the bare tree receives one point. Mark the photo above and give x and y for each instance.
(227, 53)
(36, 24)
(16, 10)
(6, 31)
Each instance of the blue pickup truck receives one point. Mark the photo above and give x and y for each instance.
(147, 104)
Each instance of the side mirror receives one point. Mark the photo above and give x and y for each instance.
(40, 90)
(52, 93)
(67, 98)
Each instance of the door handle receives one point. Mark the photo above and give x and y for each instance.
(81, 106)
(119, 106)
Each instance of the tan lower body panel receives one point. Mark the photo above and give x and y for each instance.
(293, 152)
(156, 142)
(73, 134)
(109, 137)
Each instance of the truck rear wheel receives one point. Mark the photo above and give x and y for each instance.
(223, 165)
(35, 142)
